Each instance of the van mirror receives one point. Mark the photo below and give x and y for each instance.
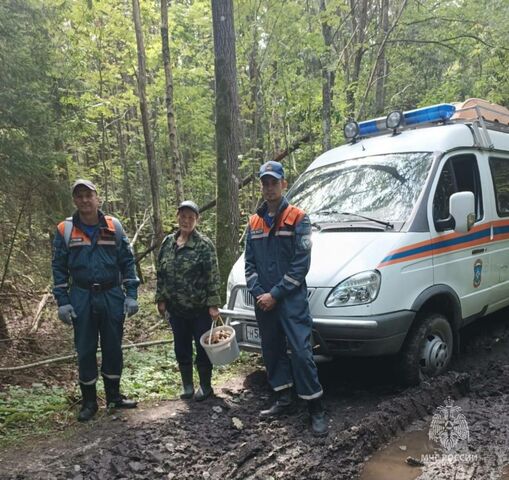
(461, 217)
(462, 208)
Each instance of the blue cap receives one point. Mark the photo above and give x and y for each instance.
(272, 168)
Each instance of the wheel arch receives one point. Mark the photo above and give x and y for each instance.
(441, 299)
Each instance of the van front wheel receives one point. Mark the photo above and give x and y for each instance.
(428, 349)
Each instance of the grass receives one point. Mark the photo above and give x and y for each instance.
(34, 411)
(150, 374)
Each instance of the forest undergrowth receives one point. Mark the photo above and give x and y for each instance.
(44, 399)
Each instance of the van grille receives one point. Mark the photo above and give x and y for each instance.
(249, 300)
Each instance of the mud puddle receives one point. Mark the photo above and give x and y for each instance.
(390, 463)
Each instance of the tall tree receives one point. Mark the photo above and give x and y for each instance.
(176, 157)
(227, 135)
(145, 119)
(382, 66)
(359, 18)
(328, 78)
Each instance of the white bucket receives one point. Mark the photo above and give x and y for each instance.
(223, 352)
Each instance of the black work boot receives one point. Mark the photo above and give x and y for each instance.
(113, 397)
(317, 414)
(186, 372)
(205, 390)
(88, 402)
(284, 404)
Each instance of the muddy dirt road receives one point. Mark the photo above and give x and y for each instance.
(224, 439)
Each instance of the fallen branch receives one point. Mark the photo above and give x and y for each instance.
(70, 357)
(146, 218)
(38, 313)
(141, 256)
(156, 326)
(21, 294)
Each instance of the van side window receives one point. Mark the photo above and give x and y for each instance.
(445, 188)
(460, 174)
(500, 173)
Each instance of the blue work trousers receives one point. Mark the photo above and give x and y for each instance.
(288, 326)
(99, 315)
(185, 328)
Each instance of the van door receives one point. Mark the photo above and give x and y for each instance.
(499, 167)
(461, 260)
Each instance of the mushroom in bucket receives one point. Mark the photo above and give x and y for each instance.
(220, 343)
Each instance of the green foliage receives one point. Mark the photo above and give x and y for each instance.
(150, 374)
(32, 411)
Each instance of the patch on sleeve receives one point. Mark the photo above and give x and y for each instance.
(305, 242)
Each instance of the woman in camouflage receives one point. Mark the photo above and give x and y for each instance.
(188, 293)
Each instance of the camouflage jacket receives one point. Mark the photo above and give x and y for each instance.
(188, 277)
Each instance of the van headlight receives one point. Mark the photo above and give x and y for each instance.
(356, 290)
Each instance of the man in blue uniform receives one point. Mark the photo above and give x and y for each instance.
(278, 256)
(95, 286)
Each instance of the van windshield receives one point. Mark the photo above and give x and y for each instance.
(381, 187)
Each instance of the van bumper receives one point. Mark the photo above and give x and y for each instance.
(336, 336)
(362, 336)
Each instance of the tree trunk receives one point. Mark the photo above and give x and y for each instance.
(256, 103)
(145, 120)
(63, 203)
(382, 64)
(128, 201)
(256, 151)
(4, 332)
(102, 123)
(13, 241)
(380, 54)
(328, 79)
(176, 158)
(227, 136)
(359, 15)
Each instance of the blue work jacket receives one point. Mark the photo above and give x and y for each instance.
(277, 257)
(85, 261)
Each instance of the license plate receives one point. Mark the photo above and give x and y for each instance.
(253, 335)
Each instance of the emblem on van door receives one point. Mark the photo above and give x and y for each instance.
(477, 273)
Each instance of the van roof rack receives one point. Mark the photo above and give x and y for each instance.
(477, 108)
(483, 116)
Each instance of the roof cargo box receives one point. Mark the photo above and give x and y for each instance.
(472, 108)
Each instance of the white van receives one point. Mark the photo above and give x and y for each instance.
(410, 236)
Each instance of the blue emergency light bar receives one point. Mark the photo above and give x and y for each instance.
(435, 113)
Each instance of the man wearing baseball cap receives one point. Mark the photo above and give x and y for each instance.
(95, 286)
(277, 259)
(188, 292)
